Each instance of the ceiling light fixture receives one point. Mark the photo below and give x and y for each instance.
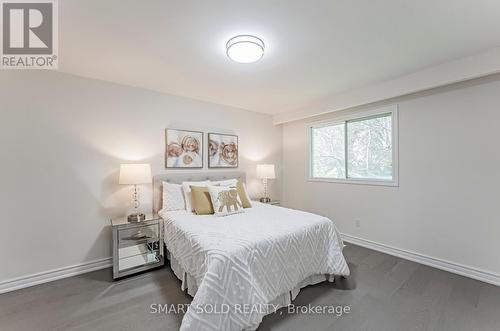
(245, 49)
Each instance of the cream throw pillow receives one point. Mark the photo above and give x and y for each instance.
(225, 200)
(240, 186)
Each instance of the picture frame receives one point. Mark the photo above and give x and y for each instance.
(183, 149)
(223, 150)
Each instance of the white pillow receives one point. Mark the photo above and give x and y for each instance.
(225, 200)
(186, 187)
(173, 197)
(226, 182)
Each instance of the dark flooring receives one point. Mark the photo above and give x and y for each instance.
(384, 293)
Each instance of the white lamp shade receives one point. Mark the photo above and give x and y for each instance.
(265, 171)
(133, 174)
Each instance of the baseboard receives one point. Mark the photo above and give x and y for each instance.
(55, 274)
(456, 268)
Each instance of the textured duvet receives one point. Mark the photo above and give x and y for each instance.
(243, 262)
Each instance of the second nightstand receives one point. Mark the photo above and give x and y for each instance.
(137, 246)
(272, 202)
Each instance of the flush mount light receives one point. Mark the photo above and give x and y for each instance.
(245, 49)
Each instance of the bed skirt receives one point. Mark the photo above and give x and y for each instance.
(189, 283)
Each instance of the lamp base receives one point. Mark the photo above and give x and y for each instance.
(136, 217)
(265, 200)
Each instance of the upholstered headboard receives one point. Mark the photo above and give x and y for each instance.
(178, 178)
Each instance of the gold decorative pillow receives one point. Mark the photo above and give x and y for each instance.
(242, 192)
(202, 203)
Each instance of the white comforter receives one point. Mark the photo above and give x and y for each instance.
(244, 261)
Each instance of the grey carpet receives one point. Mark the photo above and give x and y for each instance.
(383, 293)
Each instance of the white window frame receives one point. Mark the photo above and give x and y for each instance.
(393, 110)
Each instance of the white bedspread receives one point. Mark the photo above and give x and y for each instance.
(244, 261)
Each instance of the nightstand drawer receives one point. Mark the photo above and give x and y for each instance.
(139, 249)
(138, 257)
(138, 235)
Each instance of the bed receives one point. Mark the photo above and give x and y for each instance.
(240, 267)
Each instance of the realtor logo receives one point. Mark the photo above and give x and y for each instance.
(29, 34)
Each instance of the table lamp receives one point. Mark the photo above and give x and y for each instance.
(135, 174)
(265, 172)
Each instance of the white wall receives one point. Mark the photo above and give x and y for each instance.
(62, 139)
(448, 203)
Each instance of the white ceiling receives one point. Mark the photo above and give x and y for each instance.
(313, 48)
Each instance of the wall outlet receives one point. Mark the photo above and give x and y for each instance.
(357, 222)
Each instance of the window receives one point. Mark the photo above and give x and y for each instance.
(360, 149)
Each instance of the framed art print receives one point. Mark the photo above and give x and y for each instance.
(184, 149)
(222, 150)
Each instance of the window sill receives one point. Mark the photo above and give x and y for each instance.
(369, 182)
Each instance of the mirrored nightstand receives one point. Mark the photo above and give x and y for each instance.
(137, 246)
(273, 202)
